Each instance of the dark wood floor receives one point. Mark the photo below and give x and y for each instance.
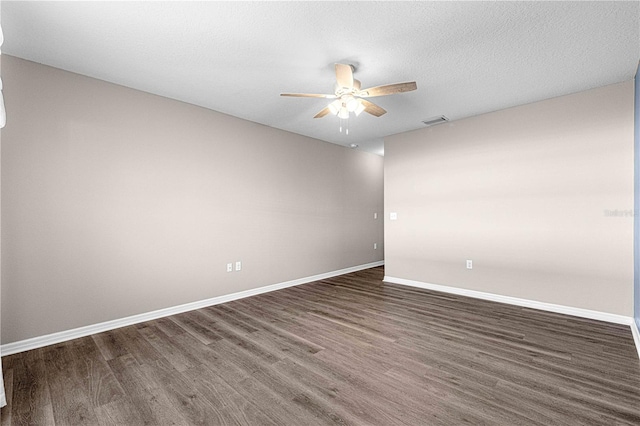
(347, 350)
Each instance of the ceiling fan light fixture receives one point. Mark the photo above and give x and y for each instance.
(344, 113)
(350, 102)
(359, 108)
(335, 106)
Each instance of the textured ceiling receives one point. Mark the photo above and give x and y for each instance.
(468, 58)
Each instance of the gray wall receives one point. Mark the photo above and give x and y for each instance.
(118, 202)
(540, 197)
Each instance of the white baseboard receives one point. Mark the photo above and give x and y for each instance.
(63, 336)
(543, 306)
(3, 395)
(560, 309)
(636, 336)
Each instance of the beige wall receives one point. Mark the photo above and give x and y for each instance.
(523, 193)
(118, 202)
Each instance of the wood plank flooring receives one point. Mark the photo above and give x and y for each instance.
(346, 350)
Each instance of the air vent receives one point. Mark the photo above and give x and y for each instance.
(435, 120)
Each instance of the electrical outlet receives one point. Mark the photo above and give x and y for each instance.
(469, 264)
(229, 267)
(375, 246)
(238, 266)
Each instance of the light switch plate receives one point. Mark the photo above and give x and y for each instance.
(393, 216)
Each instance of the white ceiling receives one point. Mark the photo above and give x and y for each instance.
(468, 58)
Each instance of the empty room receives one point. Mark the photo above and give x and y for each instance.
(318, 212)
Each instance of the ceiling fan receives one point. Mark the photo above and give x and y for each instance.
(349, 96)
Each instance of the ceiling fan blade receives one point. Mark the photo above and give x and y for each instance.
(372, 108)
(388, 89)
(308, 95)
(344, 76)
(322, 113)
